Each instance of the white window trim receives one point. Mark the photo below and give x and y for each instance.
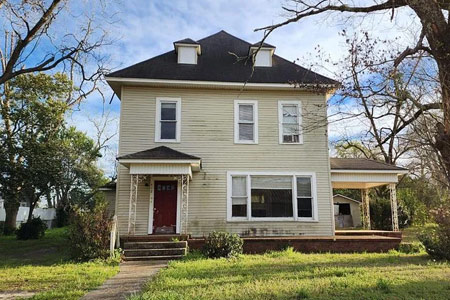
(295, 218)
(280, 121)
(160, 100)
(236, 121)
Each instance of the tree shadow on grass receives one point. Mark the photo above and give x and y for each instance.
(271, 267)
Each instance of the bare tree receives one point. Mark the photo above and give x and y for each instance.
(434, 41)
(385, 102)
(54, 36)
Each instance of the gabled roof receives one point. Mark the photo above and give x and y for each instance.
(161, 152)
(218, 63)
(345, 197)
(186, 41)
(264, 45)
(361, 164)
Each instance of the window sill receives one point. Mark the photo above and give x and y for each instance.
(291, 143)
(245, 143)
(167, 141)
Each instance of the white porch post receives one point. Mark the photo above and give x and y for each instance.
(133, 204)
(393, 196)
(184, 203)
(365, 208)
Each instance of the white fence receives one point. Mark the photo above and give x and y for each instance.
(46, 215)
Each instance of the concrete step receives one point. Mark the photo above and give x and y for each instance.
(154, 252)
(164, 257)
(155, 238)
(154, 245)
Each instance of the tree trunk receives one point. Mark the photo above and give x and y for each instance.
(443, 130)
(11, 210)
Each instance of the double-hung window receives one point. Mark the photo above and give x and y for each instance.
(260, 196)
(245, 121)
(168, 120)
(290, 122)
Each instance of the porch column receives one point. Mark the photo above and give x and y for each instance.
(365, 208)
(133, 204)
(393, 196)
(184, 203)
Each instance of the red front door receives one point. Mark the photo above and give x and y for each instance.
(165, 207)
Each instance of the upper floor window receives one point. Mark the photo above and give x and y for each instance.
(246, 121)
(290, 122)
(168, 120)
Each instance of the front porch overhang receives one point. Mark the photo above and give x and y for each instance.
(364, 179)
(364, 174)
(161, 167)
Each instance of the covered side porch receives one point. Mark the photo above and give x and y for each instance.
(364, 174)
(163, 175)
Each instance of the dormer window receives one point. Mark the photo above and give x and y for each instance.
(263, 53)
(187, 51)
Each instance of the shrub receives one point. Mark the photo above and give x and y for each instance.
(223, 244)
(34, 229)
(437, 239)
(89, 233)
(410, 248)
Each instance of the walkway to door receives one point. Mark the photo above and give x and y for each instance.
(131, 278)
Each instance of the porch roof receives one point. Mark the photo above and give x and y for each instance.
(160, 160)
(360, 173)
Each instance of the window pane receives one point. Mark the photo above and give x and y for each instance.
(291, 129)
(290, 114)
(168, 111)
(271, 203)
(303, 186)
(239, 186)
(239, 210)
(272, 182)
(168, 130)
(304, 206)
(245, 112)
(246, 132)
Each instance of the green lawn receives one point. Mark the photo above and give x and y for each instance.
(43, 266)
(290, 275)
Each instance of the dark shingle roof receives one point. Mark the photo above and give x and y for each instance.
(161, 152)
(218, 64)
(361, 164)
(186, 41)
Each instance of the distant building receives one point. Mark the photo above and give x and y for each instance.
(347, 212)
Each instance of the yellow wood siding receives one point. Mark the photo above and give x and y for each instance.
(207, 131)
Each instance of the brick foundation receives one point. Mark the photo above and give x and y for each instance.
(337, 244)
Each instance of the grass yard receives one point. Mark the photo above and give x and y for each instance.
(43, 266)
(290, 275)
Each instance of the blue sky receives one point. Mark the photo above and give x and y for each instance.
(147, 28)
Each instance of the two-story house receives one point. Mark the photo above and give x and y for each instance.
(221, 134)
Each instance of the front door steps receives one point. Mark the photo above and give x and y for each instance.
(154, 247)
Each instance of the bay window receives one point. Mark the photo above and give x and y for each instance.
(271, 197)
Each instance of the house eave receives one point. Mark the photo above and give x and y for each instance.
(117, 82)
(368, 171)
